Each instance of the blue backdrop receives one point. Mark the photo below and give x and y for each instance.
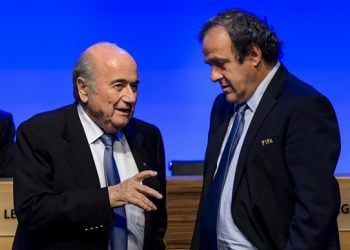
(41, 40)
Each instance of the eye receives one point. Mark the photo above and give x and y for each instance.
(118, 85)
(134, 86)
(220, 64)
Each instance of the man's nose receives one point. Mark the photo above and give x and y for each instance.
(216, 75)
(129, 95)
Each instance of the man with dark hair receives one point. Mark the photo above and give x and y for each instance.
(89, 175)
(273, 146)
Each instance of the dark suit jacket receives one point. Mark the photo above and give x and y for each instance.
(7, 135)
(58, 200)
(285, 195)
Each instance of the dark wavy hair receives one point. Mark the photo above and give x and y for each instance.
(246, 30)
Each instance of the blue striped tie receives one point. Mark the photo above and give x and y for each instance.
(118, 235)
(211, 201)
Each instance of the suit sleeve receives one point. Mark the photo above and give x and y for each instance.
(7, 134)
(45, 204)
(312, 150)
(162, 213)
(214, 123)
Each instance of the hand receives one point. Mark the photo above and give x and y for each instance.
(131, 191)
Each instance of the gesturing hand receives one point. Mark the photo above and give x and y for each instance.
(131, 191)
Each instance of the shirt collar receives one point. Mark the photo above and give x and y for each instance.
(92, 131)
(254, 100)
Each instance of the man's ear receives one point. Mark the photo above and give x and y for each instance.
(255, 55)
(82, 89)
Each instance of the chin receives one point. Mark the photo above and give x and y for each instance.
(120, 124)
(231, 98)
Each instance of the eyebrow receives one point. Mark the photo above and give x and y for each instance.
(216, 60)
(125, 81)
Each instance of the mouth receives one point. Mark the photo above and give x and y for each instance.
(124, 111)
(226, 88)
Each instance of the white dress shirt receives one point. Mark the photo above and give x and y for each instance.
(126, 167)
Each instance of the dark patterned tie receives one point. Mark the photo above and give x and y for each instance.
(118, 235)
(211, 201)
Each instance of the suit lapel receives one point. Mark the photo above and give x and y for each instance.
(78, 153)
(136, 143)
(135, 140)
(266, 104)
(138, 147)
(216, 138)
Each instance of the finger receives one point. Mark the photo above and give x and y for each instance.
(120, 196)
(144, 175)
(149, 205)
(142, 201)
(145, 190)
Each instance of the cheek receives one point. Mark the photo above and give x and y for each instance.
(238, 80)
(110, 101)
(106, 107)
